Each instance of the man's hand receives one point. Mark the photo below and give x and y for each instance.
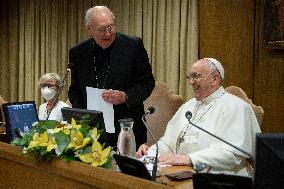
(174, 159)
(114, 96)
(142, 150)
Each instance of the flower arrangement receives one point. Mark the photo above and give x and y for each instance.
(50, 139)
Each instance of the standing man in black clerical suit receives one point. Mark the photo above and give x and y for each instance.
(115, 62)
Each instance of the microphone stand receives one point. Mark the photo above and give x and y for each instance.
(188, 116)
(58, 93)
(155, 166)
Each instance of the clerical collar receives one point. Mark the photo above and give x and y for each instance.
(213, 96)
(98, 48)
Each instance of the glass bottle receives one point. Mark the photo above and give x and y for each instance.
(126, 140)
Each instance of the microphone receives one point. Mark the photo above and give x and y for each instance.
(151, 110)
(58, 92)
(188, 116)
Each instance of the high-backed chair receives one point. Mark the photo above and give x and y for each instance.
(2, 101)
(3, 137)
(166, 104)
(237, 91)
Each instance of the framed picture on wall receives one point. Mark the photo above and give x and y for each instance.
(274, 24)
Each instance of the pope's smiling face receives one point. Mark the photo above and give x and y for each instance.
(203, 79)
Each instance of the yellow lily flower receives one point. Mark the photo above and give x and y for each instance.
(66, 130)
(98, 156)
(77, 140)
(51, 144)
(39, 140)
(74, 124)
(56, 130)
(94, 134)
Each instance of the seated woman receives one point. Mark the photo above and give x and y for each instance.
(49, 85)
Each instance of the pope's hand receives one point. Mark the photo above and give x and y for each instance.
(142, 150)
(174, 159)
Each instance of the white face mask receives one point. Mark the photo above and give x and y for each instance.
(47, 93)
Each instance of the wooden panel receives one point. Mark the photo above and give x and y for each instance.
(269, 79)
(226, 30)
(232, 31)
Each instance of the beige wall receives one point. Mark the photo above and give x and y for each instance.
(231, 31)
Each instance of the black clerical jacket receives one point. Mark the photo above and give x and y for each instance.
(129, 71)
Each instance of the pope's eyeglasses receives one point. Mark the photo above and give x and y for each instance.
(197, 76)
(194, 76)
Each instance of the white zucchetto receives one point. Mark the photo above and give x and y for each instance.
(218, 65)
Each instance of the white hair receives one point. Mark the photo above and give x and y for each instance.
(92, 11)
(50, 76)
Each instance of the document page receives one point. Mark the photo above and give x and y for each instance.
(96, 102)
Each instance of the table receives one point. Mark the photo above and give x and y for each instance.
(175, 184)
(20, 170)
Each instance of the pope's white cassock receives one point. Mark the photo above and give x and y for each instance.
(222, 114)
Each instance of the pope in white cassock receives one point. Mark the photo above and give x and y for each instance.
(216, 111)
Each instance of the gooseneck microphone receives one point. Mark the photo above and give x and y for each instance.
(188, 116)
(151, 110)
(58, 93)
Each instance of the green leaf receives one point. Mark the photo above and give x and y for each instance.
(23, 141)
(87, 150)
(108, 164)
(16, 142)
(44, 125)
(69, 158)
(84, 130)
(62, 141)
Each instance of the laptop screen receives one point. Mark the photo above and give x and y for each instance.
(19, 117)
(93, 118)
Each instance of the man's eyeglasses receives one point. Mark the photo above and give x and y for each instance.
(104, 30)
(196, 76)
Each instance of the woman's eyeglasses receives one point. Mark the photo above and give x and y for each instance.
(48, 85)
